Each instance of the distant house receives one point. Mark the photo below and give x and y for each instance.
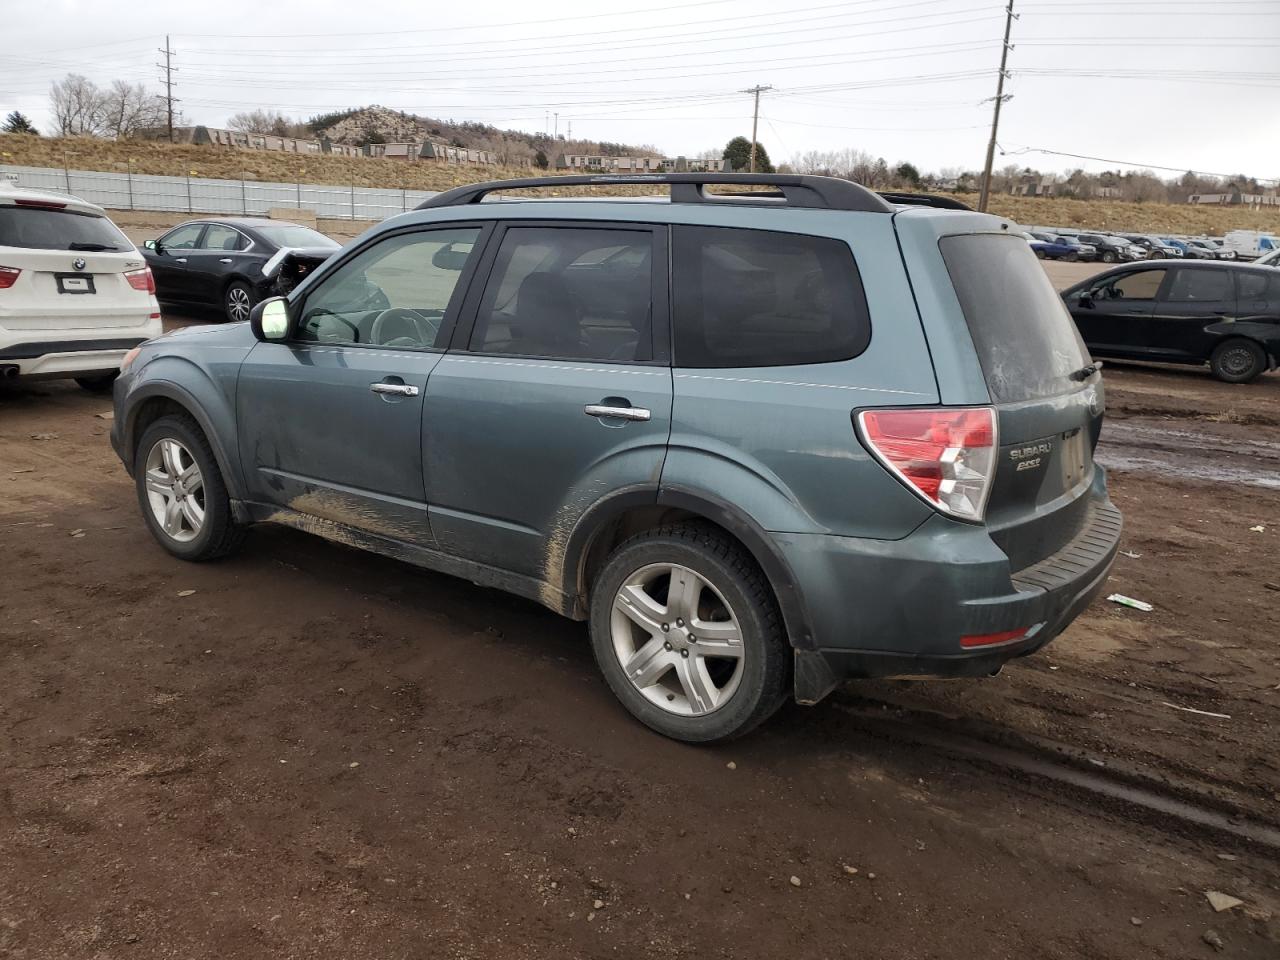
(590, 163)
(1236, 197)
(1034, 185)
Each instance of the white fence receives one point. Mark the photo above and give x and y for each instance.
(126, 191)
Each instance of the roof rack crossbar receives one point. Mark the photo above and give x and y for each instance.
(926, 200)
(826, 193)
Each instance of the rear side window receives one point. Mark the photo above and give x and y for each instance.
(1025, 339)
(1201, 285)
(756, 298)
(42, 228)
(221, 237)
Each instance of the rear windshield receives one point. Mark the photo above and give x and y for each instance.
(42, 228)
(292, 235)
(1025, 339)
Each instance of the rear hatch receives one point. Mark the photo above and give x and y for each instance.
(1048, 399)
(74, 270)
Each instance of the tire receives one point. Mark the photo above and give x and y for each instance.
(1072, 257)
(237, 301)
(730, 694)
(101, 383)
(1108, 256)
(1040, 254)
(1238, 361)
(202, 495)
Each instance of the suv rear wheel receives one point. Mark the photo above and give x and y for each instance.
(180, 489)
(687, 633)
(1238, 361)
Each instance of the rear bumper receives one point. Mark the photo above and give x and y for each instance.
(65, 358)
(900, 608)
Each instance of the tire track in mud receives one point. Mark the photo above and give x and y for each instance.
(1136, 446)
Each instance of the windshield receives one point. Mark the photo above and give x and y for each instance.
(1025, 339)
(292, 235)
(46, 228)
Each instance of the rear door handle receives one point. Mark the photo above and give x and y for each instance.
(182, 259)
(224, 259)
(616, 413)
(395, 389)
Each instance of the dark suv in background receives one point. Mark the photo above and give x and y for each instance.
(761, 442)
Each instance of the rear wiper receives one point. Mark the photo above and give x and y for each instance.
(1084, 373)
(94, 247)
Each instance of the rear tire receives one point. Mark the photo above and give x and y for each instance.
(1238, 361)
(656, 593)
(238, 301)
(191, 518)
(99, 384)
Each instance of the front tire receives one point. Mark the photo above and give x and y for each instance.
(687, 633)
(238, 301)
(1108, 257)
(181, 492)
(1238, 361)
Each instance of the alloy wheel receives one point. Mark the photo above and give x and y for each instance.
(175, 490)
(238, 304)
(677, 639)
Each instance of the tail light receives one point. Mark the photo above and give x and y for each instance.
(8, 277)
(141, 279)
(947, 455)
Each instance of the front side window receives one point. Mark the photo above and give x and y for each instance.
(221, 237)
(1201, 285)
(569, 293)
(757, 298)
(392, 294)
(184, 237)
(1141, 285)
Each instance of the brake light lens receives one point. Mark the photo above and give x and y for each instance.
(141, 279)
(947, 455)
(8, 277)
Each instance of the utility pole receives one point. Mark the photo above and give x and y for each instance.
(755, 120)
(1000, 98)
(556, 134)
(168, 69)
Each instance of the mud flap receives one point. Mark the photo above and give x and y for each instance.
(814, 678)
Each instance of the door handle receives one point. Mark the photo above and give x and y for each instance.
(224, 259)
(181, 259)
(395, 389)
(616, 413)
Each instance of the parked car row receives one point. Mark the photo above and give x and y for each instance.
(76, 294)
(1071, 244)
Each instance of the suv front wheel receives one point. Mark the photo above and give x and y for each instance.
(687, 633)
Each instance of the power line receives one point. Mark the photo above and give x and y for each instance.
(1126, 163)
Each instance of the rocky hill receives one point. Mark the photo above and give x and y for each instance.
(377, 124)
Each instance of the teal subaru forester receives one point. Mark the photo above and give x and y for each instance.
(762, 439)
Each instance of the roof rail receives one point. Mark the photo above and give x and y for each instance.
(826, 193)
(926, 200)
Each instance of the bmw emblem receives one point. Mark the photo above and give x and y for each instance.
(78, 263)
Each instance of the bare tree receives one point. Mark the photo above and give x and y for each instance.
(78, 106)
(129, 108)
(262, 121)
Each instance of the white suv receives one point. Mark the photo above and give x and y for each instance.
(75, 294)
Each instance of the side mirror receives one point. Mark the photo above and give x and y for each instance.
(152, 245)
(1086, 301)
(269, 320)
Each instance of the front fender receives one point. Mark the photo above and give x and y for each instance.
(177, 379)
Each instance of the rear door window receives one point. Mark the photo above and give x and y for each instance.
(221, 237)
(1201, 286)
(569, 293)
(1025, 339)
(755, 298)
(45, 228)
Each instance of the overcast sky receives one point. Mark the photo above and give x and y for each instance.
(1180, 83)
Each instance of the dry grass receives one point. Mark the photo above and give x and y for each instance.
(175, 160)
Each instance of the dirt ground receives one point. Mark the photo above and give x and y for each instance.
(307, 751)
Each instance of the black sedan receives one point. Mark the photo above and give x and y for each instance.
(1224, 314)
(233, 263)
